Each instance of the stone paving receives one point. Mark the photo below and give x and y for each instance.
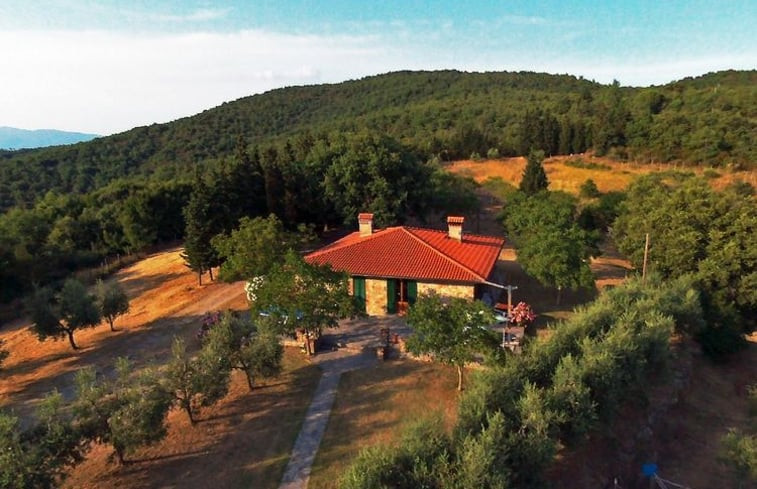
(357, 340)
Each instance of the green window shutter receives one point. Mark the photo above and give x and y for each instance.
(358, 290)
(412, 291)
(391, 300)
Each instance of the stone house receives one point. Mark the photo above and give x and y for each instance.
(390, 267)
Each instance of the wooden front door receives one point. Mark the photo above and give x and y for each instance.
(400, 295)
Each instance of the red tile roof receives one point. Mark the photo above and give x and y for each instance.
(413, 253)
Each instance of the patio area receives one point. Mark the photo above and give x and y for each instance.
(364, 333)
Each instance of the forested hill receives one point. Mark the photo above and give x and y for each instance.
(706, 120)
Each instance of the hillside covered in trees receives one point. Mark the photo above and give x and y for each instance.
(709, 120)
(318, 155)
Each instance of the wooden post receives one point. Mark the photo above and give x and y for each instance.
(646, 254)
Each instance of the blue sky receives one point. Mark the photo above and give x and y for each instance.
(107, 66)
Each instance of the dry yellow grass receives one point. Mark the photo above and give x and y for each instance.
(371, 407)
(569, 178)
(246, 438)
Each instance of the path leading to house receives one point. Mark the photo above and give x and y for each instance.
(333, 364)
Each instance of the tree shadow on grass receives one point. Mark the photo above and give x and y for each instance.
(149, 344)
(372, 407)
(247, 436)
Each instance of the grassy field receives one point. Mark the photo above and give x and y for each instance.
(568, 173)
(372, 406)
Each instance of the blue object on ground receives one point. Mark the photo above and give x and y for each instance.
(649, 469)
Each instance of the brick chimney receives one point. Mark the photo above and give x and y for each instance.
(365, 223)
(455, 225)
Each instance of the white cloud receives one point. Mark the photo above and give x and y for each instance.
(106, 82)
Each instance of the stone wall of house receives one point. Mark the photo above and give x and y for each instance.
(447, 290)
(375, 296)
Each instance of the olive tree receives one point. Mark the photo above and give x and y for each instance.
(256, 351)
(39, 456)
(198, 381)
(112, 301)
(128, 412)
(304, 297)
(72, 310)
(452, 333)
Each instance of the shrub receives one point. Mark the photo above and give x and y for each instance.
(420, 459)
(589, 189)
(739, 452)
(587, 165)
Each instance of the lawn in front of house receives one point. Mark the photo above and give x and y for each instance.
(372, 407)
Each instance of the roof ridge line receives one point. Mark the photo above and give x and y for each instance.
(410, 228)
(329, 248)
(442, 254)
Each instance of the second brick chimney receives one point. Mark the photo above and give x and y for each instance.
(455, 225)
(365, 223)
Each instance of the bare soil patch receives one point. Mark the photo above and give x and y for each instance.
(165, 301)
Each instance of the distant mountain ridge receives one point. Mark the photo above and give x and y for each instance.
(15, 138)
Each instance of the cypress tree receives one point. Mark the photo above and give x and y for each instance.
(534, 178)
(199, 216)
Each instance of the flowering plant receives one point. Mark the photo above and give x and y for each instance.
(209, 320)
(522, 314)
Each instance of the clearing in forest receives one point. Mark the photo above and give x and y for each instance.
(568, 173)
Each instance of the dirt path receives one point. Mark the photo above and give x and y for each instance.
(165, 301)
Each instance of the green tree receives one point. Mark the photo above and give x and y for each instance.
(112, 301)
(557, 258)
(74, 309)
(534, 178)
(589, 189)
(304, 297)
(137, 221)
(255, 351)
(200, 215)
(452, 194)
(699, 231)
(140, 419)
(551, 246)
(199, 381)
(128, 412)
(374, 174)
(739, 452)
(39, 457)
(482, 458)
(252, 249)
(451, 333)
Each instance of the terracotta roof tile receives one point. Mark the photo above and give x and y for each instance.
(413, 253)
